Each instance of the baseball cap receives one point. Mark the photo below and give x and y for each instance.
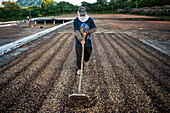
(82, 10)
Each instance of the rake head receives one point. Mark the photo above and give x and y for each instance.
(77, 96)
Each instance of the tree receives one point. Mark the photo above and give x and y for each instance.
(34, 11)
(46, 3)
(101, 1)
(50, 7)
(65, 7)
(11, 9)
(87, 5)
(1, 12)
(164, 2)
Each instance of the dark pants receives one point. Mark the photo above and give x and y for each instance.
(87, 53)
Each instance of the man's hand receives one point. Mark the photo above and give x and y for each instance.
(83, 42)
(84, 34)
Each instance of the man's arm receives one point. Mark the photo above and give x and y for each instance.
(78, 35)
(91, 30)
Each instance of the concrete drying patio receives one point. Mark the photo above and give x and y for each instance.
(124, 75)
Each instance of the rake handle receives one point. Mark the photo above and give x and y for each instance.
(81, 74)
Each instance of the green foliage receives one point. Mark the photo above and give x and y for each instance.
(47, 4)
(101, 1)
(36, 8)
(145, 13)
(11, 9)
(2, 13)
(49, 8)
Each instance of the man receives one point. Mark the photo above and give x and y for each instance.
(83, 27)
(29, 22)
(28, 18)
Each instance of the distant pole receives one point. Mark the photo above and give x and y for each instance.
(112, 8)
(136, 4)
(29, 10)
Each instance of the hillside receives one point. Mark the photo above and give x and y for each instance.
(29, 2)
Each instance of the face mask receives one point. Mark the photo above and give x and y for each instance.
(83, 19)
